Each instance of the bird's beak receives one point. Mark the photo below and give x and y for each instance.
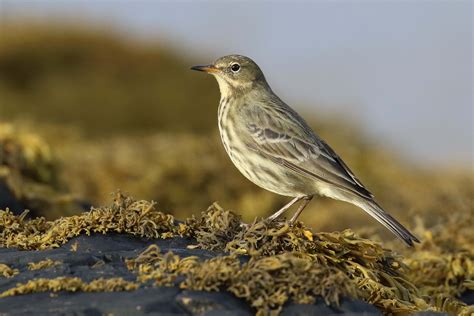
(206, 68)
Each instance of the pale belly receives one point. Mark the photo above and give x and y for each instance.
(258, 169)
(265, 173)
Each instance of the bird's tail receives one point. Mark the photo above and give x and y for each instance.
(373, 209)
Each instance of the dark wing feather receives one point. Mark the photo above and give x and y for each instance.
(281, 135)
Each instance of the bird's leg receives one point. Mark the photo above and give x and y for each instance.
(284, 208)
(300, 209)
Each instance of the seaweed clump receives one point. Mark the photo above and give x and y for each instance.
(267, 264)
(125, 215)
(43, 264)
(70, 284)
(266, 282)
(284, 263)
(7, 272)
(442, 267)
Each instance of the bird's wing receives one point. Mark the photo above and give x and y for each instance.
(281, 135)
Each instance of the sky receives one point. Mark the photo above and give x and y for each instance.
(401, 70)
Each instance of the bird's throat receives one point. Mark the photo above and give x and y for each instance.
(224, 87)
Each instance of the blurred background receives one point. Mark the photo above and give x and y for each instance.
(97, 96)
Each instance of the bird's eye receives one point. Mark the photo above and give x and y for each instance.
(235, 67)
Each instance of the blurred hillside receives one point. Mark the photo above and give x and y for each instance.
(93, 80)
(90, 113)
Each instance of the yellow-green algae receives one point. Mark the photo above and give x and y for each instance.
(284, 263)
(266, 282)
(442, 267)
(125, 215)
(43, 264)
(70, 284)
(7, 272)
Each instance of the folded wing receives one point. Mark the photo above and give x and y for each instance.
(279, 134)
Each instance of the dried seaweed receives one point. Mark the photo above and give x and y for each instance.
(70, 284)
(377, 274)
(442, 267)
(125, 215)
(163, 269)
(7, 272)
(43, 264)
(266, 282)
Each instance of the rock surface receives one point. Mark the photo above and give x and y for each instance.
(8, 200)
(103, 256)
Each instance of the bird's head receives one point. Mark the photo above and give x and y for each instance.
(235, 74)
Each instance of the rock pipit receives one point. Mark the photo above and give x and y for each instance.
(276, 149)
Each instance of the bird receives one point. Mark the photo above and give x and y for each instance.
(273, 146)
